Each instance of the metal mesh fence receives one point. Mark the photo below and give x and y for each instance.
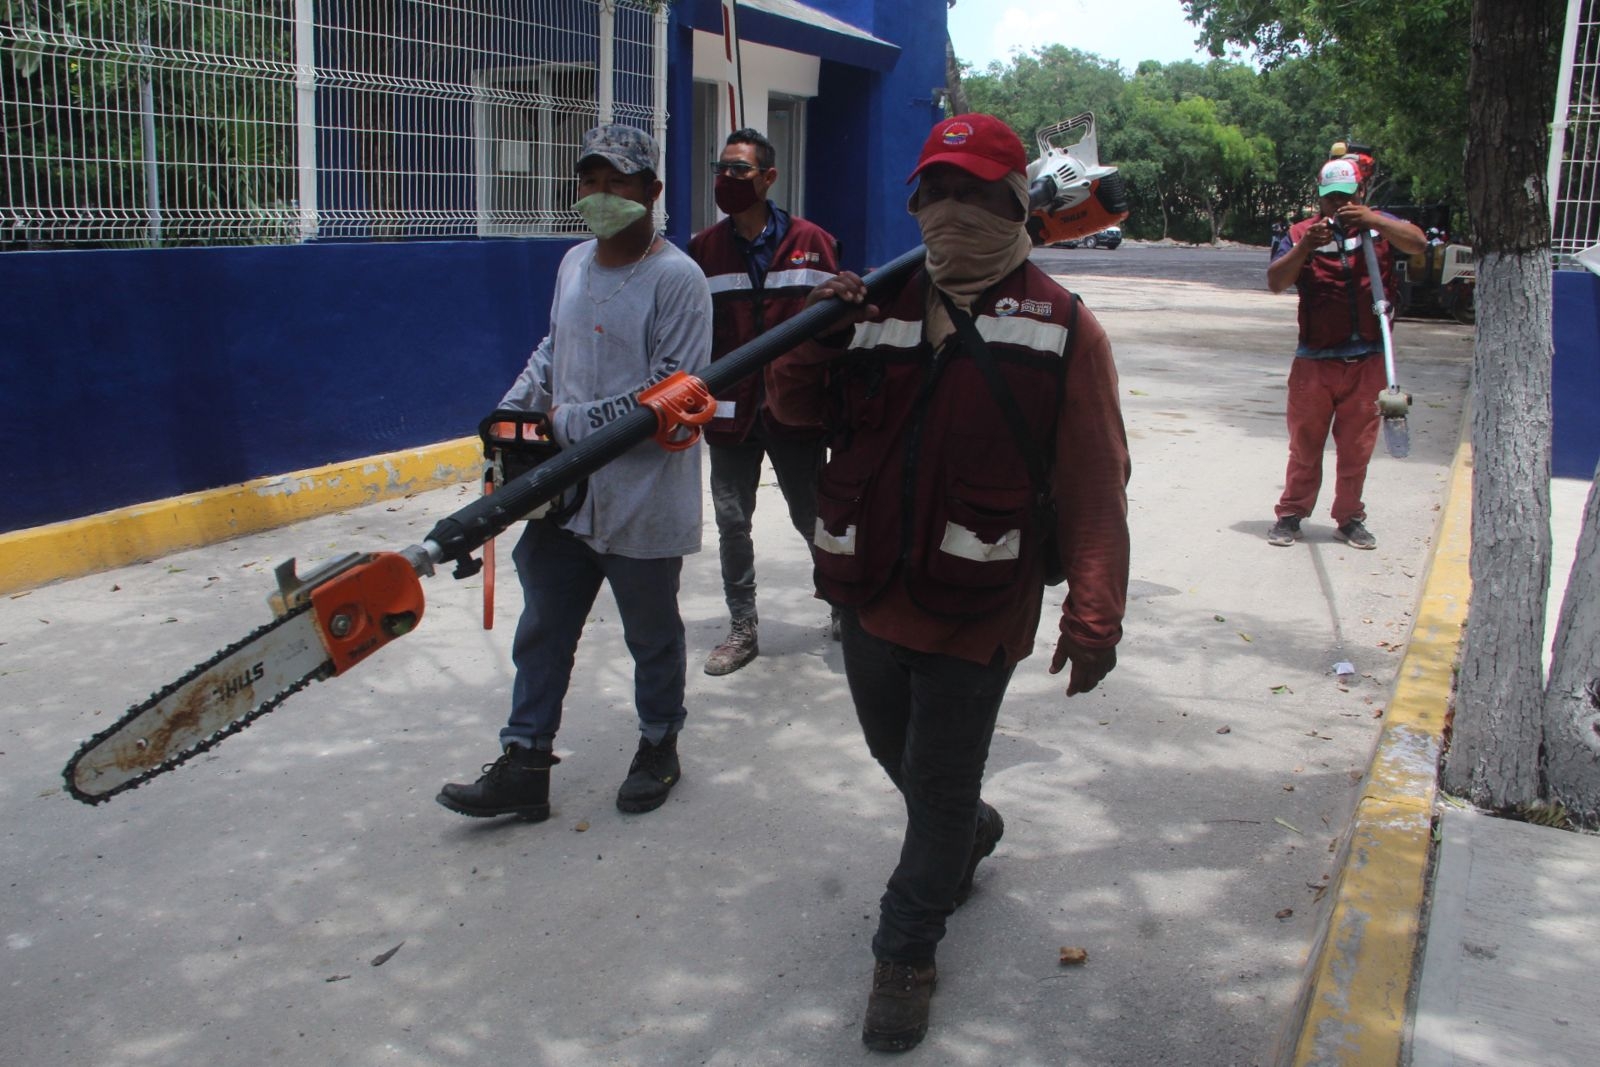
(180, 122)
(1575, 141)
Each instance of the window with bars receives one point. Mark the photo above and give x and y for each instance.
(182, 122)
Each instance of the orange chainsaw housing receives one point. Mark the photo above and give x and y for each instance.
(364, 608)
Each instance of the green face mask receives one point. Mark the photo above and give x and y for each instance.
(607, 214)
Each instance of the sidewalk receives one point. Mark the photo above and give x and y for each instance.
(1183, 823)
(1477, 953)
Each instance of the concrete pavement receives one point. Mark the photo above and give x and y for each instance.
(1184, 823)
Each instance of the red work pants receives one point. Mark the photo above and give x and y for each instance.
(1326, 393)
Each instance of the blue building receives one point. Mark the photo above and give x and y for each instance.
(397, 269)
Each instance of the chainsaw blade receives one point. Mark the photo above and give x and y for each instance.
(1397, 437)
(214, 700)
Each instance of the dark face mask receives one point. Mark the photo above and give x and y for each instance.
(734, 195)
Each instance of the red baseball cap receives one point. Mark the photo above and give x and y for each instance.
(981, 145)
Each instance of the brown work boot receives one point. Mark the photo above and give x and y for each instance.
(740, 648)
(518, 783)
(897, 1010)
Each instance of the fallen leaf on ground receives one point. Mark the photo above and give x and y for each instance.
(1224, 729)
(1071, 956)
(384, 957)
(582, 825)
(1286, 825)
(1243, 636)
(336, 978)
(1286, 913)
(1282, 689)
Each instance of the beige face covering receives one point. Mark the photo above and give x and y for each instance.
(969, 249)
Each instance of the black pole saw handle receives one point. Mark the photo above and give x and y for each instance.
(458, 535)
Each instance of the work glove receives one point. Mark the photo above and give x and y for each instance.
(1089, 665)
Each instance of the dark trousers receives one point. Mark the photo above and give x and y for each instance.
(561, 577)
(735, 476)
(928, 720)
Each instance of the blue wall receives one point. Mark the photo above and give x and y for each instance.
(867, 127)
(135, 375)
(1575, 377)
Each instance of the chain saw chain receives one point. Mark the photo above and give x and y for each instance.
(328, 621)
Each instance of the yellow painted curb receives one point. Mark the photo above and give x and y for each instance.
(71, 549)
(1352, 1007)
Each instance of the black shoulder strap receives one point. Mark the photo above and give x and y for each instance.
(967, 330)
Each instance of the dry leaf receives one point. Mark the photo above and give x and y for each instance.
(384, 957)
(582, 825)
(1243, 636)
(1070, 956)
(1286, 913)
(1224, 729)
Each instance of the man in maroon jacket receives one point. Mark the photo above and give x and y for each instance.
(1338, 368)
(977, 452)
(761, 262)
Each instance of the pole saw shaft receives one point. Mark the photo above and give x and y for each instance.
(455, 537)
(1393, 403)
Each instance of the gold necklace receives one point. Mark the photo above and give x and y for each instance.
(588, 276)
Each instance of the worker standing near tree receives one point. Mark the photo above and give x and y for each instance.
(761, 263)
(1338, 369)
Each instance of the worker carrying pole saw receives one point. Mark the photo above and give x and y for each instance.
(1341, 262)
(338, 615)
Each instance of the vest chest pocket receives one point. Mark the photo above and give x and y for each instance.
(845, 549)
(978, 541)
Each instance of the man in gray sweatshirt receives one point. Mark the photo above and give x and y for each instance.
(629, 310)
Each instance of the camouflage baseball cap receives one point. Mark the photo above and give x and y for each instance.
(627, 148)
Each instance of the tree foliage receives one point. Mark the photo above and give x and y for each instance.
(1217, 150)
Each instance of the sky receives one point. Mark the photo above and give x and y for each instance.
(1127, 31)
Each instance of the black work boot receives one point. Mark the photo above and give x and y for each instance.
(991, 828)
(897, 1010)
(651, 776)
(518, 783)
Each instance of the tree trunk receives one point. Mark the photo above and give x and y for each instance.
(952, 79)
(1572, 703)
(1494, 749)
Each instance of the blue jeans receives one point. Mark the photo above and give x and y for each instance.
(735, 476)
(928, 719)
(561, 577)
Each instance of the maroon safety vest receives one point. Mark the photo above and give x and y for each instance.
(926, 483)
(1335, 293)
(804, 259)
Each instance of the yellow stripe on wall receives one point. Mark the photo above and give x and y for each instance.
(71, 549)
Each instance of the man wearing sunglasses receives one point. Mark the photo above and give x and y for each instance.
(761, 263)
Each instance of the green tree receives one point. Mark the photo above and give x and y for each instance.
(1045, 86)
(1399, 70)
